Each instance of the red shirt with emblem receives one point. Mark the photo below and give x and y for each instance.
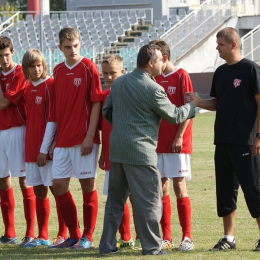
(175, 84)
(106, 130)
(12, 84)
(38, 104)
(75, 88)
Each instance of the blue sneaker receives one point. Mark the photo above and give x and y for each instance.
(37, 242)
(26, 240)
(67, 243)
(8, 240)
(83, 243)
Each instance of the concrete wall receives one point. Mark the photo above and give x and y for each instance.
(205, 57)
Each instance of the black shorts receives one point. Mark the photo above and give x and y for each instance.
(235, 165)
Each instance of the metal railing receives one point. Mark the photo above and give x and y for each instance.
(197, 25)
(251, 45)
(13, 20)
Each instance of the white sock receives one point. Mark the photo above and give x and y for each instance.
(230, 238)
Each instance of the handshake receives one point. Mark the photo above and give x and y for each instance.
(193, 98)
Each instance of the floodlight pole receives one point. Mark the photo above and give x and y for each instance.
(41, 30)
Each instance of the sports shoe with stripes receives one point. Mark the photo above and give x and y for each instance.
(186, 245)
(166, 244)
(58, 240)
(26, 240)
(257, 245)
(67, 243)
(122, 243)
(223, 244)
(8, 240)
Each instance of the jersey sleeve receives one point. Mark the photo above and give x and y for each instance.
(255, 79)
(187, 84)
(15, 88)
(49, 105)
(95, 83)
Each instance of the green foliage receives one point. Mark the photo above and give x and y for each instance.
(57, 5)
(20, 5)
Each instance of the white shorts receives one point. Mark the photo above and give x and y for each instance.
(174, 165)
(105, 186)
(68, 161)
(12, 152)
(36, 175)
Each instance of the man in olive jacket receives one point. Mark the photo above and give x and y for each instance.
(135, 107)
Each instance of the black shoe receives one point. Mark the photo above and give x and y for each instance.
(257, 245)
(110, 253)
(223, 244)
(161, 253)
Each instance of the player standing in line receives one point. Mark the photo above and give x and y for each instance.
(12, 132)
(174, 148)
(40, 131)
(112, 68)
(77, 97)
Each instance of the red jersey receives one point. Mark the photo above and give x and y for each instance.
(75, 88)
(38, 103)
(12, 84)
(106, 130)
(175, 84)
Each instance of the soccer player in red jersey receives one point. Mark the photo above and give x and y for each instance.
(77, 98)
(174, 148)
(40, 131)
(12, 132)
(112, 68)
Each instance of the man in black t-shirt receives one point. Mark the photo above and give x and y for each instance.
(236, 99)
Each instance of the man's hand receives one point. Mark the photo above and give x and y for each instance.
(101, 161)
(177, 144)
(86, 146)
(256, 146)
(51, 149)
(189, 96)
(41, 159)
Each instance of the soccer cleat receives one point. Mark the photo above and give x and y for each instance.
(110, 253)
(83, 243)
(26, 240)
(161, 252)
(257, 245)
(223, 244)
(58, 240)
(137, 245)
(186, 245)
(37, 242)
(8, 240)
(166, 244)
(123, 243)
(67, 243)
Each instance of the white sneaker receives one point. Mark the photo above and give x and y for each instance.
(186, 245)
(166, 244)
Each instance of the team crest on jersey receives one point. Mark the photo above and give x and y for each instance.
(38, 100)
(6, 86)
(77, 82)
(236, 82)
(171, 90)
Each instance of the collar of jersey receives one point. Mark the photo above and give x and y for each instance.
(74, 65)
(9, 71)
(166, 75)
(36, 83)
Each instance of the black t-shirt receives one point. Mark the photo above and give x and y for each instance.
(235, 87)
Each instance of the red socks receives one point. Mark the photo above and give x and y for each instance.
(67, 207)
(130, 198)
(43, 215)
(29, 210)
(62, 225)
(7, 208)
(124, 228)
(166, 218)
(90, 211)
(184, 212)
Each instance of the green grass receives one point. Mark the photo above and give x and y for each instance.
(206, 226)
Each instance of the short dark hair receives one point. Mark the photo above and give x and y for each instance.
(147, 53)
(229, 34)
(165, 49)
(5, 42)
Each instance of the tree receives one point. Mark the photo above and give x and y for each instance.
(20, 5)
(57, 5)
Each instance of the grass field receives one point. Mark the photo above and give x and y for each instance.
(206, 226)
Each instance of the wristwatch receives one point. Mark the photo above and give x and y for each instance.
(257, 135)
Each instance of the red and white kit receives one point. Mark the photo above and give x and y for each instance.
(12, 120)
(175, 84)
(76, 87)
(38, 104)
